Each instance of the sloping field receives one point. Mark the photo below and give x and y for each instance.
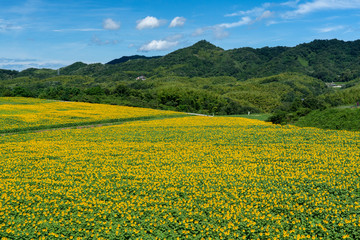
(21, 114)
(190, 177)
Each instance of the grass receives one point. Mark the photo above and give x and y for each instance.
(353, 106)
(257, 116)
(22, 101)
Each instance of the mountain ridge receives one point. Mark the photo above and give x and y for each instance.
(323, 59)
(129, 58)
(328, 60)
(207, 79)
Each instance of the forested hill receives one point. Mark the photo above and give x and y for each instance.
(327, 60)
(207, 79)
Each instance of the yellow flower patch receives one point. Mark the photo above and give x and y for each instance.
(17, 114)
(191, 177)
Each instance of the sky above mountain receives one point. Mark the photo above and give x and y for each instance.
(47, 33)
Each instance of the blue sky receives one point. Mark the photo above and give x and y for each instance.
(50, 33)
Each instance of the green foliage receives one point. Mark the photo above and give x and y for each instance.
(206, 78)
(334, 118)
(72, 68)
(60, 93)
(194, 100)
(128, 58)
(6, 74)
(37, 73)
(279, 117)
(291, 113)
(349, 95)
(97, 90)
(217, 94)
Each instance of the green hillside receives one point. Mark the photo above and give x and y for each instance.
(335, 118)
(211, 95)
(206, 79)
(327, 60)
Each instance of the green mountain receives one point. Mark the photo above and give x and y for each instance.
(207, 79)
(327, 60)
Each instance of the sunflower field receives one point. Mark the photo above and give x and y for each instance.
(189, 177)
(21, 114)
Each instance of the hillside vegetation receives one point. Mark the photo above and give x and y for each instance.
(207, 79)
(334, 118)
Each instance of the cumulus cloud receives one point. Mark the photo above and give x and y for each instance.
(158, 45)
(320, 5)
(177, 22)
(149, 22)
(110, 24)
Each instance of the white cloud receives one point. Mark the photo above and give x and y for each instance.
(149, 22)
(320, 5)
(330, 29)
(259, 13)
(255, 11)
(290, 3)
(8, 26)
(264, 15)
(243, 21)
(177, 22)
(219, 29)
(158, 45)
(110, 24)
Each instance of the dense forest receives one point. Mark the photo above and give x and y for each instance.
(289, 82)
